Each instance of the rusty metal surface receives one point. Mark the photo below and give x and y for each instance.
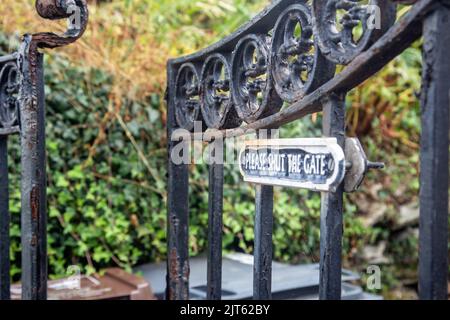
(77, 13)
(331, 214)
(177, 209)
(33, 179)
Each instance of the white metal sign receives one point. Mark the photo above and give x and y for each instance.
(314, 164)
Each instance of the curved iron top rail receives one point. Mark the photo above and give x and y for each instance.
(288, 54)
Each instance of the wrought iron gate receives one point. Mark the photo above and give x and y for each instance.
(22, 111)
(247, 76)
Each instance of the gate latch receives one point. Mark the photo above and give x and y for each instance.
(357, 165)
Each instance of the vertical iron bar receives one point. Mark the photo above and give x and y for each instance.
(331, 219)
(434, 158)
(263, 247)
(33, 193)
(178, 209)
(42, 182)
(4, 221)
(214, 276)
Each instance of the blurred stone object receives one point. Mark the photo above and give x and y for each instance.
(408, 216)
(115, 284)
(375, 254)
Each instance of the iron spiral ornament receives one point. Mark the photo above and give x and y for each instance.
(9, 88)
(187, 96)
(345, 28)
(252, 87)
(298, 65)
(217, 104)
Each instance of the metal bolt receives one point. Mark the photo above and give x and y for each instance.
(375, 165)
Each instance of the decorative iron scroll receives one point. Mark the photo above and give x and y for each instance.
(345, 28)
(187, 97)
(23, 91)
(298, 66)
(252, 84)
(217, 104)
(287, 51)
(9, 88)
(75, 11)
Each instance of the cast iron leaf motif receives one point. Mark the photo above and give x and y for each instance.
(187, 96)
(293, 49)
(346, 28)
(9, 88)
(298, 65)
(252, 86)
(217, 105)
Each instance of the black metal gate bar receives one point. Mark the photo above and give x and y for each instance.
(33, 193)
(331, 221)
(215, 222)
(434, 176)
(178, 209)
(263, 247)
(4, 221)
(8, 126)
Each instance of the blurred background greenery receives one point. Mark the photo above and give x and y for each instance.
(107, 159)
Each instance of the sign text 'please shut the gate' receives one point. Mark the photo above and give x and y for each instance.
(314, 164)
